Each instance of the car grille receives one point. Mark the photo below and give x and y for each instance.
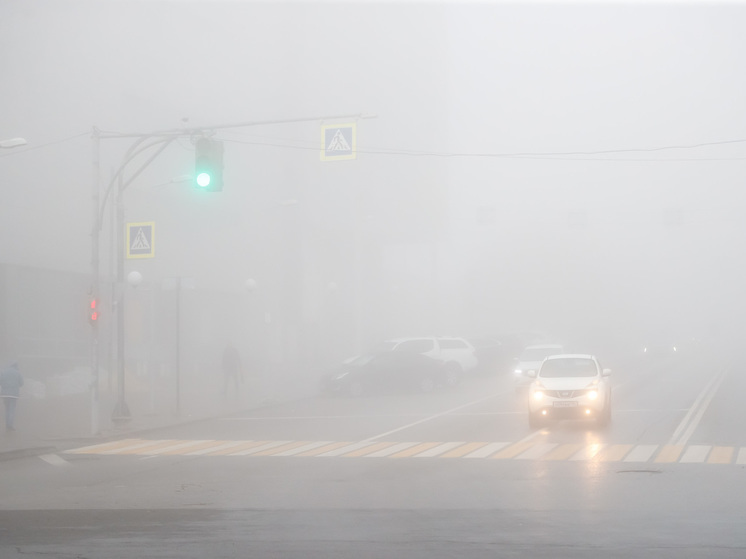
(567, 393)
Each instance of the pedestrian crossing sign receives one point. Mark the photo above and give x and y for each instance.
(141, 240)
(338, 141)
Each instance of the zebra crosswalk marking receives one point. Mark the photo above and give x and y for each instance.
(325, 450)
(261, 447)
(613, 453)
(391, 450)
(230, 451)
(486, 451)
(413, 450)
(462, 450)
(141, 449)
(641, 453)
(562, 452)
(368, 449)
(589, 452)
(512, 451)
(695, 454)
(177, 447)
(536, 451)
(721, 455)
(438, 450)
(522, 450)
(302, 448)
(669, 453)
(334, 449)
(281, 448)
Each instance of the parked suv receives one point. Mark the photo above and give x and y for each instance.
(457, 354)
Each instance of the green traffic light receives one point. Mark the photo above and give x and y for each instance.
(203, 180)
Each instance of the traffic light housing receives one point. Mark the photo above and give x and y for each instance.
(208, 165)
(93, 313)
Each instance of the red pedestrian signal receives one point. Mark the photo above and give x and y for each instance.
(93, 311)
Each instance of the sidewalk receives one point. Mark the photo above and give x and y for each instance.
(54, 422)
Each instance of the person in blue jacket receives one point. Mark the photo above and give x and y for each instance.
(10, 389)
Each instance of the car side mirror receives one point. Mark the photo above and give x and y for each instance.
(606, 372)
(531, 374)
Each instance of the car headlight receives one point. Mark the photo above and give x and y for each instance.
(593, 394)
(518, 372)
(538, 394)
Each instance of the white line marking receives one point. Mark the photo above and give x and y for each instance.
(437, 415)
(692, 418)
(741, 456)
(695, 454)
(54, 460)
(641, 453)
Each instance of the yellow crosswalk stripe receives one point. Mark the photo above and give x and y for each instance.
(512, 451)
(614, 453)
(406, 453)
(721, 455)
(369, 449)
(321, 450)
(562, 452)
(463, 450)
(281, 448)
(669, 453)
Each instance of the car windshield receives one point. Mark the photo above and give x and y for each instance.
(538, 353)
(568, 367)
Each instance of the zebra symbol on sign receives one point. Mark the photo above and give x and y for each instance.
(141, 240)
(338, 141)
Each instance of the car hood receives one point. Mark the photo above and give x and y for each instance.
(571, 383)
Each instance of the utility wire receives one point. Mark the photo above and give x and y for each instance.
(40, 146)
(559, 156)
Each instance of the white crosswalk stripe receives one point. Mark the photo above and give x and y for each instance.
(641, 453)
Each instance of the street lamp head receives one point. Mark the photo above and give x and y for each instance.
(13, 143)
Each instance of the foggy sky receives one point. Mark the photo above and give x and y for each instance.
(491, 239)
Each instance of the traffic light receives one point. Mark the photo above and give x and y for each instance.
(208, 165)
(93, 312)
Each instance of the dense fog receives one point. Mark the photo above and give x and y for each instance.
(573, 170)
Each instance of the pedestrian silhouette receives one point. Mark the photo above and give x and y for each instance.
(11, 382)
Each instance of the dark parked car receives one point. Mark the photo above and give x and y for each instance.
(385, 372)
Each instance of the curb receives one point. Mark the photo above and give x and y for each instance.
(16, 453)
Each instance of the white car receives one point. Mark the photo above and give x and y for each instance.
(457, 354)
(530, 360)
(570, 386)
